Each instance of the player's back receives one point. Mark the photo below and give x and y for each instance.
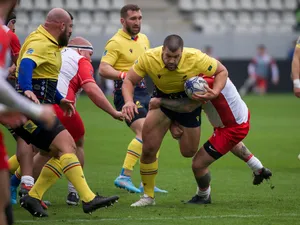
(228, 109)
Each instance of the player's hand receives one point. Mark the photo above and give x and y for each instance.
(48, 116)
(12, 119)
(209, 95)
(31, 96)
(129, 109)
(118, 115)
(297, 92)
(67, 106)
(175, 130)
(154, 103)
(122, 75)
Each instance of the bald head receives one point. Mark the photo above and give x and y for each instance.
(79, 41)
(58, 15)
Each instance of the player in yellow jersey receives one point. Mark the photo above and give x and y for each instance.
(120, 53)
(38, 66)
(169, 66)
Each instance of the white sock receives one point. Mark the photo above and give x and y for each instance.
(254, 164)
(27, 180)
(205, 193)
(71, 188)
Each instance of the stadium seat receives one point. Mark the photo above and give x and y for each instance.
(100, 17)
(230, 18)
(88, 4)
(285, 29)
(37, 18)
(260, 5)
(241, 28)
(21, 29)
(111, 29)
(42, 5)
(273, 18)
(85, 18)
(103, 5)
(186, 5)
(114, 18)
(216, 4)
(289, 18)
(57, 3)
(246, 5)
(231, 5)
(275, 5)
(117, 4)
(244, 17)
(22, 18)
(72, 5)
(201, 5)
(80, 30)
(258, 18)
(199, 19)
(26, 5)
(214, 17)
(95, 30)
(290, 4)
(256, 28)
(271, 28)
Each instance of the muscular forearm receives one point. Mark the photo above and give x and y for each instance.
(127, 90)
(14, 101)
(99, 99)
(220, 81)
(182, 105)
(108, 72)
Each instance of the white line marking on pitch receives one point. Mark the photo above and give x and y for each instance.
(157, 218)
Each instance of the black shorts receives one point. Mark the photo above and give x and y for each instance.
(36, 134)
(141, 99)
(191, 119)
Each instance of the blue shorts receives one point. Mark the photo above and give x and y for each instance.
(190, 120)
(141, 99)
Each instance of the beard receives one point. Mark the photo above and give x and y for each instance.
(63, 39)
(131, 32)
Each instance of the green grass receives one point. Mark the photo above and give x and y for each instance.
(274, 139)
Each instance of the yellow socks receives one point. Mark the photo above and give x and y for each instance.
(72, 169)
(133, 154)
(13, 164)
(148, 174)
(50, 173)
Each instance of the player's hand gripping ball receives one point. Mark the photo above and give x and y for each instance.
(195, 85)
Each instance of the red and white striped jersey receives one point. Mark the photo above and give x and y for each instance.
(76, 70)
(228, 109)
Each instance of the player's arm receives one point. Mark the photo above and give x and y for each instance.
(296, 70)
(108, 60)
(15, 47)
(134, 76)
(182, 105)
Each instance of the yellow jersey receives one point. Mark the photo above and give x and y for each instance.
(122, 50)
(192, 63)
(41, 47)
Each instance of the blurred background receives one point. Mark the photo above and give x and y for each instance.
(230, 30)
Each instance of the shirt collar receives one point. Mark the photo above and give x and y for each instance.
(43, 31)
(127, 36)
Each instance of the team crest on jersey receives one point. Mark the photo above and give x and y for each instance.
(159, 76)
(30, 51)
(130, 50)
(104, 53)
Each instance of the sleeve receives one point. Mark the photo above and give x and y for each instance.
(139, 65)
(208, 65)
(298, 43)
(36, 52)
(15, 45)
(25, 74)
(85, 71)
(111, 53)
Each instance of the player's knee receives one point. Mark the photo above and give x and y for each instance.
(188, 154)
(197, 165)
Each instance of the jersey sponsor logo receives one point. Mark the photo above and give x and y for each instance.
(138, 104)
(30, 126)
(104, 53)
(130, 50)
(159, 76)
(29, 51)
(209, 68)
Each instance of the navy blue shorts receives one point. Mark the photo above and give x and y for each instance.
(141, 99)
(191, 119)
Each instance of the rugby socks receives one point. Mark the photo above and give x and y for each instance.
(133, 154)
(50, 173)
(13, 164)
(203, 182)
(72, 169)
(148, 174)
(203, 192)
(254, 164)
(27, 180)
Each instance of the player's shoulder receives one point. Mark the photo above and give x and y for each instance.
(143, 36)
(154, 52)
(193, 53)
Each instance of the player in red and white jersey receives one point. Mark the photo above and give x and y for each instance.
(230, 117)
(76, 74)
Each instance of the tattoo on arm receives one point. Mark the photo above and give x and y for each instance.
(181, 105)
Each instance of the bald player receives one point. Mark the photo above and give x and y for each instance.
(169, 66)
(37, 79)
